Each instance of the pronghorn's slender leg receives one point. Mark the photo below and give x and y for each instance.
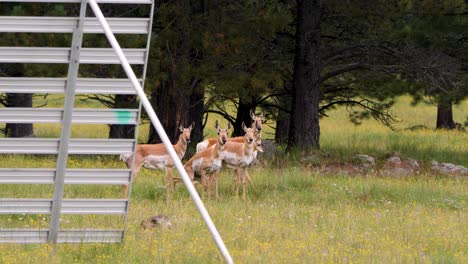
(246, 178)
(250, 181)
(168, 183)
(244, 183)
(136, 168)
(215, 183)
(238, 181)
(216, 186)
(204, 182)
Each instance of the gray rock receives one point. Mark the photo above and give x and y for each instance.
(414, 163)
(448, 168)
(270, 149)
(365, 160)
(155, 221)
(394, 160)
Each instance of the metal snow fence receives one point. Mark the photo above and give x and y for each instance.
(65, 146)
(61, 175)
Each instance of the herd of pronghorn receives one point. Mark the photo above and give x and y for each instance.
(237, 153)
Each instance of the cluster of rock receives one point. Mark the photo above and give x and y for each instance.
(448, 168)
(394, 165)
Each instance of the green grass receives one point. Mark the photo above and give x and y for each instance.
(293, 215)
(341, 138)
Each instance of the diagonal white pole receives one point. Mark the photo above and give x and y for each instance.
(162, 134)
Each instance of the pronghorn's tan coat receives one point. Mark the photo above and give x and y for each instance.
(240, 155)
(256, 124)
(209, 161)
(155, 156)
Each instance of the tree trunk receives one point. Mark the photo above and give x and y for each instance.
(196, 111)
(282, 129)
(171, 106)
(304, 130)
(123, 131)
(15, 130)
(243, 115)
(444, 115)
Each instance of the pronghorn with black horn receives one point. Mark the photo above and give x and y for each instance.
(257, 123)
(208, 161)
(240, 155)
(155, 156)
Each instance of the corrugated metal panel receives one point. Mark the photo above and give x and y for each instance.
(29, 145)
(121, 25)
(102, 146)
(69, 206)
(97, 176)
(105, 86)
(27, 176)
(73, 176)
(61, 175)
(23, 235)
(64, 236)
(108, 56)
(90, 235)
(94, 206)
(34, 55)
(25, 206)
(79, 116)
(57, 85)
(61, 55)
(77, 146)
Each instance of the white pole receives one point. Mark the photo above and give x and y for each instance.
(162, 134)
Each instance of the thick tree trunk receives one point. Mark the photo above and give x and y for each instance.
(243, 115)
(196, 110)
(123, 131)
(171, 106)
(19, 130)
(282, 129)
(304, 130)
(445, 115)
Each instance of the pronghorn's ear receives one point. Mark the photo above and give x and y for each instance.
(181, 128)
(216, 124)
(244, 127)
(192, 126)
(229, 126)
(252, 114)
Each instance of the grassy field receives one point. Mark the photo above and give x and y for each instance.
(293, 215)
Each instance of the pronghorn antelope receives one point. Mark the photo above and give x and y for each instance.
(208, 161)
(155, 156)
(240, 155)
(257, 122)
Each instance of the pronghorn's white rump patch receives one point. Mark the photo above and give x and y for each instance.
(202, 145)
(125, 156)
(196, 164)
(233, 160)
(216, 166)
(155, 162)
